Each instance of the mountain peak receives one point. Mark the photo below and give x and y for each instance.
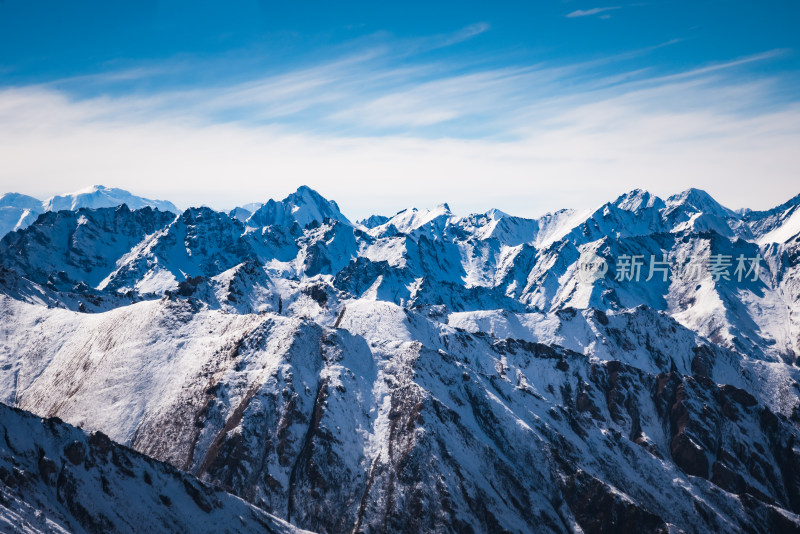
(373, 220)
(93, 189)
(638, 199)
(304, 189)
(693, 194)
(306, 195)
(410, 219)
(304, 206)
(698, 200)
(496, 214)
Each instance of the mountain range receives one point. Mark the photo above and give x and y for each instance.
(422, 371)
(18, 211)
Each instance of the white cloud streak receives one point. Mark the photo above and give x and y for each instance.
(379, 137)
(590, 12)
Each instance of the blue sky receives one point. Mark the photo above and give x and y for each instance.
(524, 106)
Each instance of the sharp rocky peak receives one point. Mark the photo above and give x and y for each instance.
(698, 201)
(305, 206)
(638, 199)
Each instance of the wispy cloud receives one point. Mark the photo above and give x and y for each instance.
(465, 34)
(371, 128)
(590, 12)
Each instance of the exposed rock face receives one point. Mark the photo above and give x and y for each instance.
(599, 509)
(430, 373)
(66, 248)
(55, 478)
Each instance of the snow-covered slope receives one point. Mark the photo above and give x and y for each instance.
(56, 479)
(386, 411)
(429, 371)
(777, 225)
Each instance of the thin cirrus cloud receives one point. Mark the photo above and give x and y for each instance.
(591, 12)
(379, 132)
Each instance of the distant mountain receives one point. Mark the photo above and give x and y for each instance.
(242, 213)
(373, 220)
(18, 211)
(98, 196)
(430, 372)
(17, 200)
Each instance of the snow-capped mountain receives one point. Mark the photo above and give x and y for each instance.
(242, 213)
(18, 211)
(304, 207)
(98, 196)
(429, 371)
(696, 210)
(373, 220)
(411, 219)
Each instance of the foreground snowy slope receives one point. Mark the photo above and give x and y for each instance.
(394, 411)
(427, 372)
(56, 479)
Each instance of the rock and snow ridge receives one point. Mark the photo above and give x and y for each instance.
(425, 372)
(304, 207)
(18, 211)
(56, 479)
